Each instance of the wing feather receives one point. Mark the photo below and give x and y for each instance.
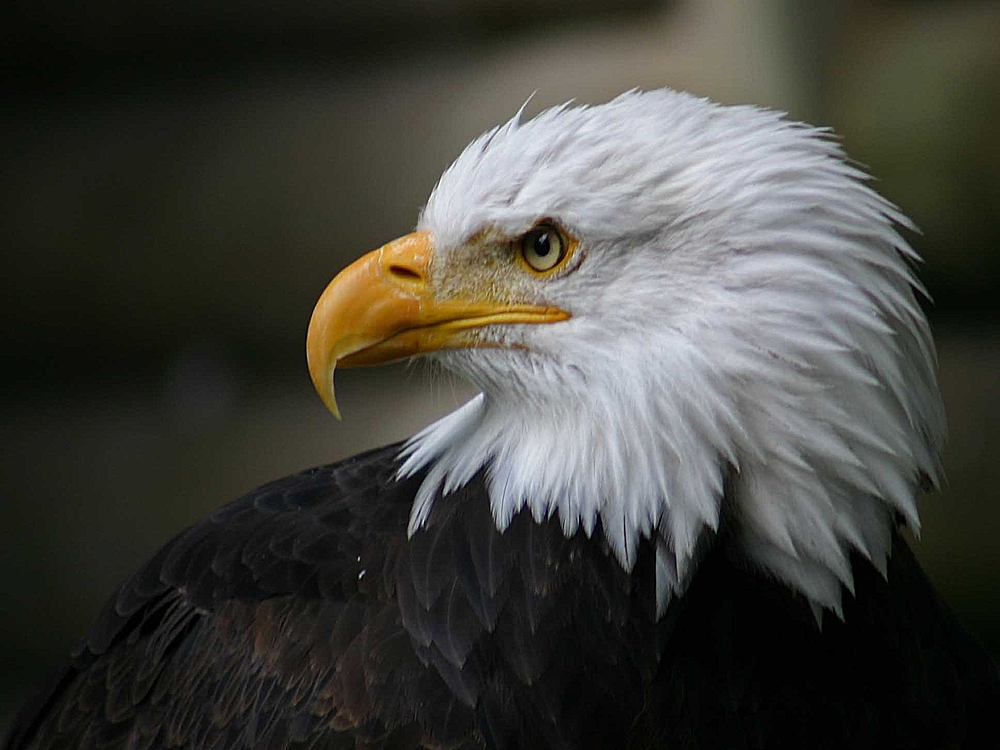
(303, 616)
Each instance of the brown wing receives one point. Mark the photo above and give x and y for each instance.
(272, 623)
(302, 616)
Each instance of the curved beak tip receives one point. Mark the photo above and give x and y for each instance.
(330, 401)
(321, 372)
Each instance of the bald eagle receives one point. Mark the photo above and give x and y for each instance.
(670, 518)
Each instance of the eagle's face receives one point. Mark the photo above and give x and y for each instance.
(594, 216)
(672, 309)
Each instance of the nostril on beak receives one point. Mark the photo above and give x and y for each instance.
(403, 273)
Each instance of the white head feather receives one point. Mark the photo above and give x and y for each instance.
(745, 342)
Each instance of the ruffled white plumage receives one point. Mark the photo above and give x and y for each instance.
(745, 344)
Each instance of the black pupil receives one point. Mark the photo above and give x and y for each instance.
(542, 244)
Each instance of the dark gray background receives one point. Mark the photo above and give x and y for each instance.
(181, 180)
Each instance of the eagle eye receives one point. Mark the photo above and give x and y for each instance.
(543, 247)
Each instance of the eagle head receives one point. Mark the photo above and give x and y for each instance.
(683, 318)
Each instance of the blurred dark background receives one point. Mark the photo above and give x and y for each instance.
(180, 181)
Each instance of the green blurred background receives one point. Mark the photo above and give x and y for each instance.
(180, 181)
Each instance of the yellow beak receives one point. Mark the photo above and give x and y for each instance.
(380, 309)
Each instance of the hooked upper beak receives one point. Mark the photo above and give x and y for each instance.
(381, 308)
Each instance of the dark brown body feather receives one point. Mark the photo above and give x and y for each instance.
(301, 616)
